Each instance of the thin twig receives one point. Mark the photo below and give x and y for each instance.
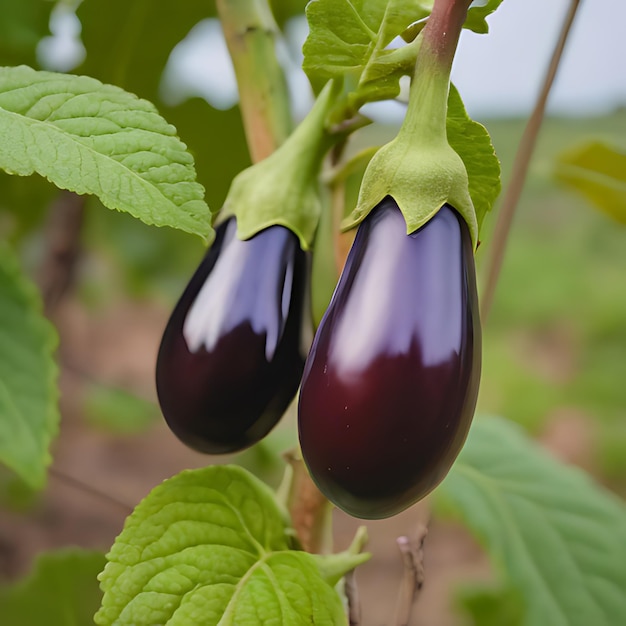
(413, 578)
(520, 168)
(92, 491)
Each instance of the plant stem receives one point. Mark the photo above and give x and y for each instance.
(430, 84)
(311, 512)
(520, 168)
(413, 562)
(251, 34)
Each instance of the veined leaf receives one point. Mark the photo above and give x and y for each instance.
(93, 138)
(62, 590)
(29, 415)
(472, 143)
(598, 172)
(351, 38)
(211, 546)
(558, 538)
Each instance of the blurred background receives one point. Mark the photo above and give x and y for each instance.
(554, 345)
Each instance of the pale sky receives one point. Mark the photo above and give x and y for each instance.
(500, 73)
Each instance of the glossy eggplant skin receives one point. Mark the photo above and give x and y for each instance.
(391, 381)
(230, 360)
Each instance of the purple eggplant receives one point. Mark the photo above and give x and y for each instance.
(391, 381)
(230, 360)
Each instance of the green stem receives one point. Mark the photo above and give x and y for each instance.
(418, 168)
(251, 34)
(430, 84)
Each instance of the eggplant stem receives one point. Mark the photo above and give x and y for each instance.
(251, 33)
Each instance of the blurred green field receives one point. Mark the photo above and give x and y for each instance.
(555, 343)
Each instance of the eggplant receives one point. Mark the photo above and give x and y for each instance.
(390, 384)
(230, 359)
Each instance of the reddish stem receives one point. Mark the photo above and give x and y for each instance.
(425, 119)
(443, 29)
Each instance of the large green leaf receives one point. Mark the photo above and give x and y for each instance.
(598, 172)
(62, 591)
(93, 138)
(472, 143)
(29, 415)
(211, 546)
(556, 536)
(22, 26)
(217, 141)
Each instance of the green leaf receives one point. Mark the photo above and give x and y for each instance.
(93, 138)
(479, 10)
(350, 38)
(471, 141)
(62, 590)
(211, 546)
(557, 537)
(22, 26)
(598, 172)
(29, 415)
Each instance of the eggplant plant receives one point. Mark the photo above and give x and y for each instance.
(388, 388)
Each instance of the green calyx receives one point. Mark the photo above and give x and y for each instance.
(283, 188)
(419, 169)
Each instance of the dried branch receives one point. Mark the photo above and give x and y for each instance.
(413, 578)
